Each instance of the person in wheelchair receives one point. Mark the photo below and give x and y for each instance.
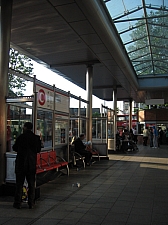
(81, 149)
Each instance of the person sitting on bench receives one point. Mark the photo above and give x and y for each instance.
(81, 149)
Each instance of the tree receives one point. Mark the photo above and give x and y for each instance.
(96, 114)
(139, 50)
(20, 63)
(148, 51)
(117, 110)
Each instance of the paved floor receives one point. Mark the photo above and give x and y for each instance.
(128, 189)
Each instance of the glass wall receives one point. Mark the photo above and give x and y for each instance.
(45, 126)
(83, 109)
(56, 133)
(61, 132)
(77, 124)
(61, 137)
(96, 128)
(17, 115)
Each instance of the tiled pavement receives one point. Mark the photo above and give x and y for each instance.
(127, 189)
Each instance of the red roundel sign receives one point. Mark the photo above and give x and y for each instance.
(41, 97)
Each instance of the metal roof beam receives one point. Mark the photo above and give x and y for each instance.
(158, 24)
(143, 69)
(105, 86)
(140, 18)
(141, 56)
(153, 82)
(75, 63)
(126, 13)
(131, 28)
(136, 39)
(162, 8)
(148, 33)
(137, 49)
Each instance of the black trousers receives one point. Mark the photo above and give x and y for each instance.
(135, 139)
(86, 154)
(20, 178)
(124, 146)
(145, 140)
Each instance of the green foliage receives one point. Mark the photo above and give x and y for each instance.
(20, 63)
(143, 40)
(117, 110)
(136, 110)
(96, 114)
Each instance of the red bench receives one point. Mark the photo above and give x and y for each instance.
(48, 160)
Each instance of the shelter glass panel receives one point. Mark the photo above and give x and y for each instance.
(44, 122)
(83, 109)
(74, 106)
(61, 131)
(16, 117)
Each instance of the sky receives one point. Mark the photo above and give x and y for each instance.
(49, 77)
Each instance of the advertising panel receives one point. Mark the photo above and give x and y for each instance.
(45, 97)
(62, 102)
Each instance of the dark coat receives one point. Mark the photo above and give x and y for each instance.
(79, 146)
(27, 146)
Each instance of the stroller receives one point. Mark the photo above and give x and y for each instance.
(127, 143)
(132, 145)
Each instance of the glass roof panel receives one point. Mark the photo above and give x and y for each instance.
(143, 28)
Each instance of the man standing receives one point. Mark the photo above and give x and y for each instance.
(145, 136)
(155, 137)
(135, 135)
(27, 146)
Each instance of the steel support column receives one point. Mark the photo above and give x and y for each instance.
(130, 114)
(5, 32)
(79, 118)
(89, 88)
(115, 115)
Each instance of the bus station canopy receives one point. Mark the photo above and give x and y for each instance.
(125, 41)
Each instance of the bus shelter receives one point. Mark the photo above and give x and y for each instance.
(50, 109)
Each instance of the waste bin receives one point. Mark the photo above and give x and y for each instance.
(10, 167)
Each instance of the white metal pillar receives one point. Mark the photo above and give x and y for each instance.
(35, 107)
(130, 114)
(5, 32)
(89, 89)
(53, 120)
(115, 115)
(79, 118)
